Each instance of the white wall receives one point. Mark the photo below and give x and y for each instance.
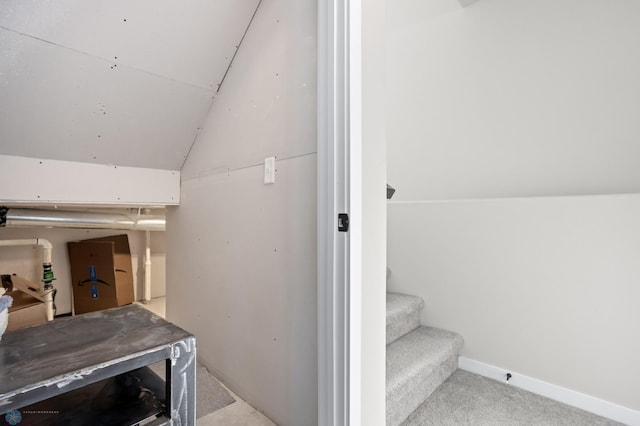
(26, 261)
(242, 255)
(373, 212)
(521, 99)
(546, 287)
(514, 98)
(158, 267)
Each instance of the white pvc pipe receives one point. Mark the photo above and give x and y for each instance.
(46, 245)
(147, 269)
(48, 303)
(46, 294)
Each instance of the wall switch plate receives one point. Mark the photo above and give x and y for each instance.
(270, 170)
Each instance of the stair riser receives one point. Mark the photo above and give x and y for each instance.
(403, 400)
(400, 325)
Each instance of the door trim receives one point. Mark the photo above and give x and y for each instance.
(338, 333)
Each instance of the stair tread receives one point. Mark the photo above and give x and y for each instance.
(423, 349)
(398, 303)
(403, 314)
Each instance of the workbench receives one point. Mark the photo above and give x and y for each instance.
(93, 369)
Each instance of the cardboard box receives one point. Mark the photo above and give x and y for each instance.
(101, 273)
(26, 311)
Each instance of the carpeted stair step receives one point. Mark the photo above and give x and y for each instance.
(417, 364)
(403, 315)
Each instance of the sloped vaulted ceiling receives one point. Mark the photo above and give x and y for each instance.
(113, 82)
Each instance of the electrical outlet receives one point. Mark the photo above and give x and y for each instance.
(269, 170)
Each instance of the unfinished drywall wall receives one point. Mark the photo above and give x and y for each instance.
(26, 261)
(118, 82)
(241, 255)
(514, 98)
(546, 287)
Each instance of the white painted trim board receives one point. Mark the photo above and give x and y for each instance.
(43, 181)
(570, 397)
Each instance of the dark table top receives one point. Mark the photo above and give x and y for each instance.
(68, 348)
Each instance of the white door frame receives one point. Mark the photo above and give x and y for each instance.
(351, 179)
(336, 392)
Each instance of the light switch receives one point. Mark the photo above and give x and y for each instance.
(269, 170)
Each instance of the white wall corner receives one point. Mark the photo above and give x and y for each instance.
(570, 397)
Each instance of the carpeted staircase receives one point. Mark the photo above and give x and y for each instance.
(419, 359)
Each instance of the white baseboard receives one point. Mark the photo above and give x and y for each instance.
(594, 405)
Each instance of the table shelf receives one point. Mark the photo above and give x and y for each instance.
(78, 366)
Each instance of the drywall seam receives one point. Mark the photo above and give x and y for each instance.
(238, 47)
(225, 170)
(71, 49)
(244, 34)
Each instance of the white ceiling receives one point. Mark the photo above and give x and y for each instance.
(117, 82)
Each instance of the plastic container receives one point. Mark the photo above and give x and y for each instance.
(4, 320)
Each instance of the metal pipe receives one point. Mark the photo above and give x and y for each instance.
(12, 217)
